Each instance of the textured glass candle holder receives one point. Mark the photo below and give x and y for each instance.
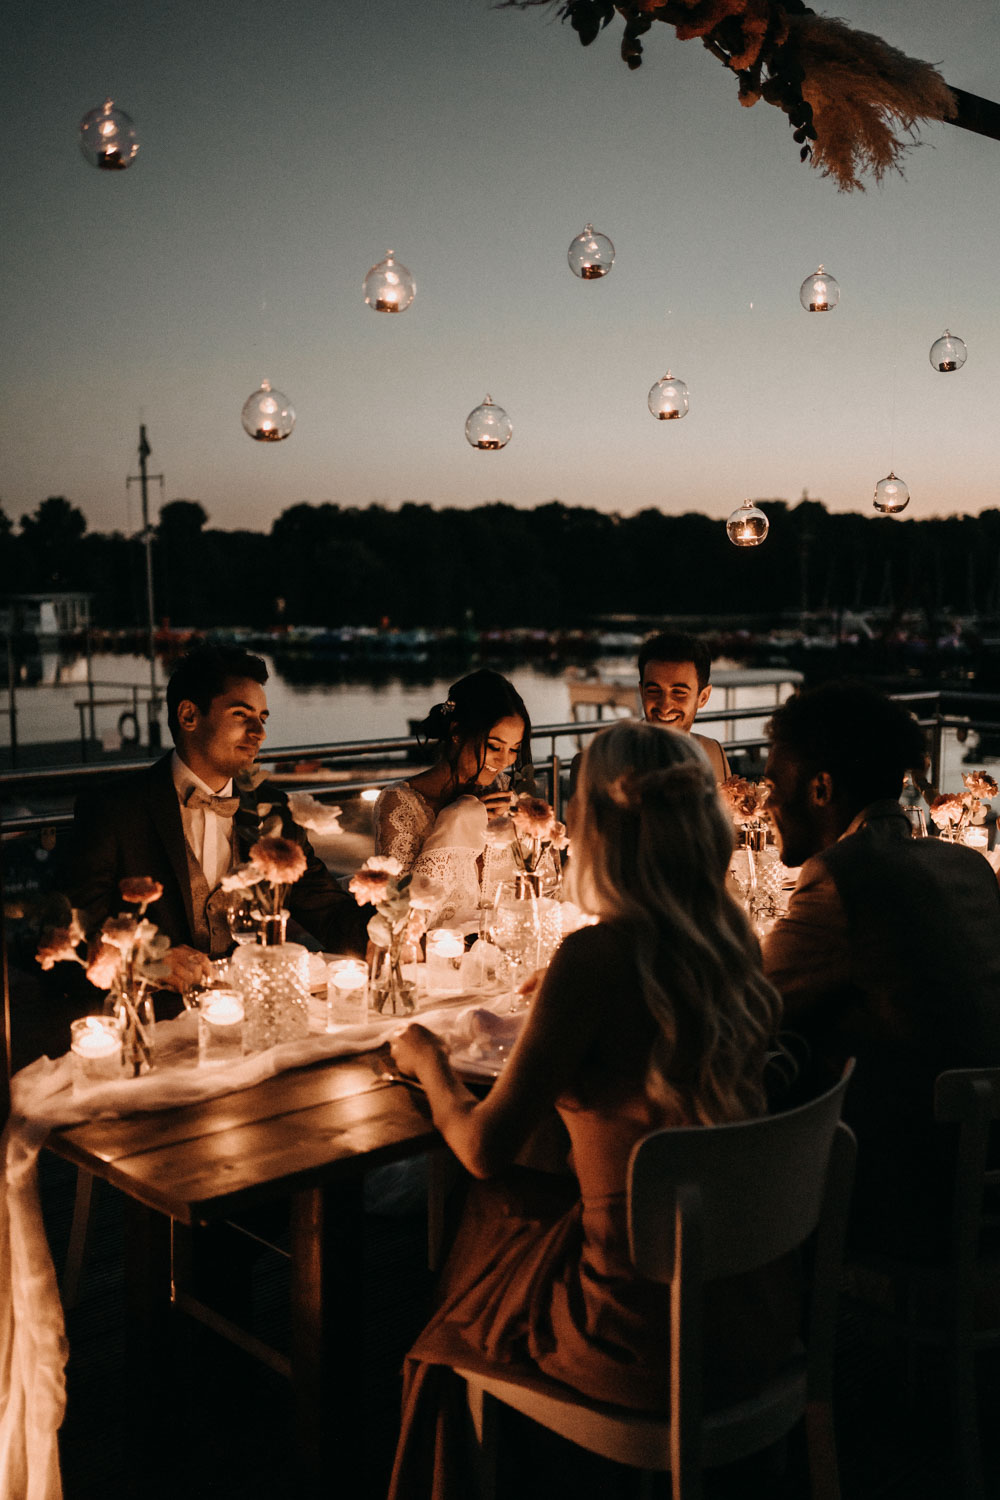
(273, 980)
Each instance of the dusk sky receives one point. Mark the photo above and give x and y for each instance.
(284, 149)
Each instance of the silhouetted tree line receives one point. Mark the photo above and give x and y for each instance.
(554, 566)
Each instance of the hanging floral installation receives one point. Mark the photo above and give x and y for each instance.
(848, 95)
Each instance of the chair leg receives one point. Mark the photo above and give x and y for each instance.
(77, 1238)
(965, 1423)
(824, 1478)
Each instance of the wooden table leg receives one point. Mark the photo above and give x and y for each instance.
(327, 1294)
(149, 1366)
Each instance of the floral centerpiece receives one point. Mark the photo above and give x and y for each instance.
(746, 802)
(532, 831)
(403, 906)
(275, 864)
(126, 958)
(754, 868)
(954, 813)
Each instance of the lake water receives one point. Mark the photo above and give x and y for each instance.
(315, 703)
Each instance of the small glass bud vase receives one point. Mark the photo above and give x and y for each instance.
(488, 426)
(130, 1002)
(390, 992)
(591, 255)
(273, 978)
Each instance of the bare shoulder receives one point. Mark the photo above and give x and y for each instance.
(715, 753)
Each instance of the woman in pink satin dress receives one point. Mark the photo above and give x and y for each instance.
(658, 1015)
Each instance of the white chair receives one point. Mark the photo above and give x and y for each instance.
(705, 1203)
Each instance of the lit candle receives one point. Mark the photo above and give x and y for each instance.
(220, 1028)
(445, 951)
(96, 1045)
(347, 992)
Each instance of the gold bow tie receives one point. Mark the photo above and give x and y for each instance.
(223, 807)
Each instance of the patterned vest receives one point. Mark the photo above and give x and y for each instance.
(208, 909)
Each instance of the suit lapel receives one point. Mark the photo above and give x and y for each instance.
(165, 812)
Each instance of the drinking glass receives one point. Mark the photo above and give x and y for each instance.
(243, 918)
(514, 930)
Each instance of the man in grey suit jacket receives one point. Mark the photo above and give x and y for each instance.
(191, 817)
(889, 951)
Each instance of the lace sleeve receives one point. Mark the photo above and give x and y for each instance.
(402, 821)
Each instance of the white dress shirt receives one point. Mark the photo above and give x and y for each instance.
(208, 835)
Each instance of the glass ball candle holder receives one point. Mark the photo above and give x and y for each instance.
(819, 292)
(668, 399)
(748, 526)
(591, 255)
(488, 426)
(107, 138)
(948, 353)
(891, 495)
(267, 415)
(388, 286)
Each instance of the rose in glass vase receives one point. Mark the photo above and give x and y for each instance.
(746, 802)
(955, 814)
(535, 837)
(126, 958)
(403, 906)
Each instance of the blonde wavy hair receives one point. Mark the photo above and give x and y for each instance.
(651, 848)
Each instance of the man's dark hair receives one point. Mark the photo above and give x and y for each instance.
(202, 674)
(864, 740)
(673, 646)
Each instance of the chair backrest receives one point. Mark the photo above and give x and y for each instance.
(969, 1098)
(760, 1187)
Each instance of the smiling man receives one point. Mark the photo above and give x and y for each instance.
(186, 822)
(673, 681)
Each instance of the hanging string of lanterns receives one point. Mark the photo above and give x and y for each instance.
(107, 138)
(267, 415)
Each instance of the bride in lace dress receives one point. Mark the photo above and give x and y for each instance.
(435, 823)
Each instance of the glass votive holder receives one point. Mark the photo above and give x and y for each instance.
(977, 836)
(96, 1046)
(220, 1027)
(347, 992)
(445, 951)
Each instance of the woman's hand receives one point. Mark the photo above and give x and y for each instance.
(497, 804)
(415, 1046)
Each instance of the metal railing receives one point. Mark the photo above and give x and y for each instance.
(400, 753)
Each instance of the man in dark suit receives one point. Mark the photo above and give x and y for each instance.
(889, 951)
(190, 818)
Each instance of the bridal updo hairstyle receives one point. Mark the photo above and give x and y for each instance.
(474, 704)
(651, 845)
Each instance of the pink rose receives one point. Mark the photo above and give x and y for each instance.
(946, 810)
(981, 785)
(140, 890)
(103, 964)
(369, 887)
(58, 945)
(533, 818)
(280, 861)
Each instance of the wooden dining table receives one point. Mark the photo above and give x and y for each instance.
(304, 1138)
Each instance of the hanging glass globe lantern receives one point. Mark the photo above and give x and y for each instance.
(389, 287)
(668, 399)
(819, 293)
(748, 526)
(488, 426)
(948, 352)
(107, 138)
(591, 255)
(891, 495)
(267, 415)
